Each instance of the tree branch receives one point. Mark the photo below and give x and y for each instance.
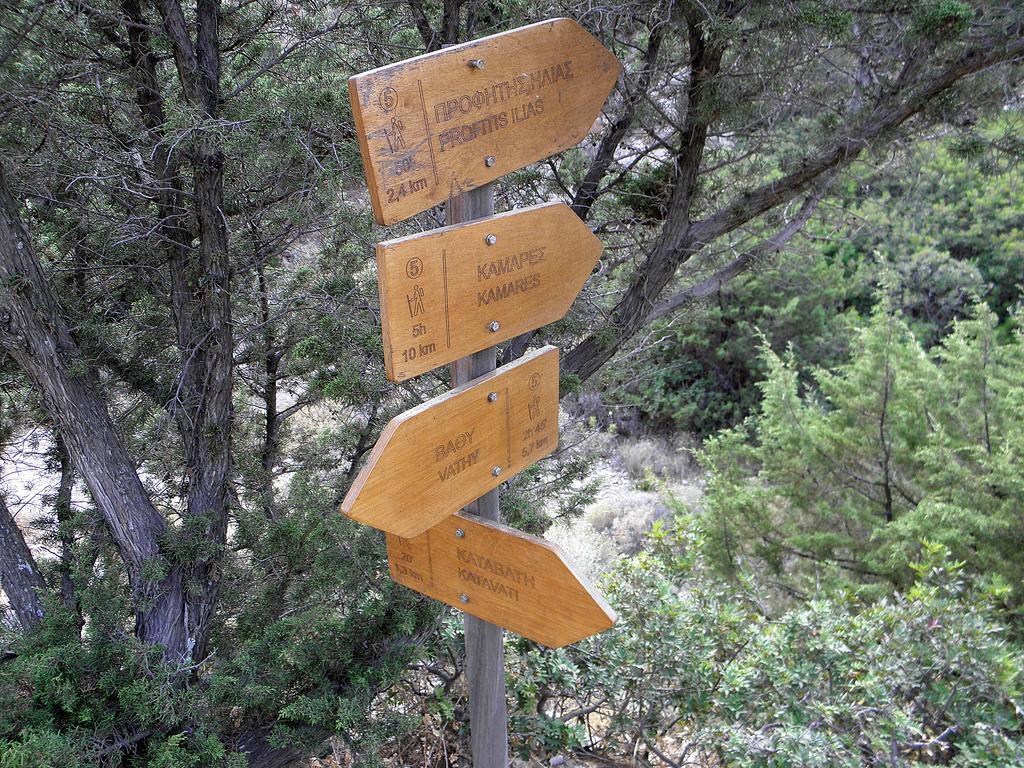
(427, 34)
(176, 29)
(29, 25)
(742, 263)
(680, 239)
(589, 189)
(62, 506)
(883, 117)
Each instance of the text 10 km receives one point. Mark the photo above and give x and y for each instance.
(415, 351)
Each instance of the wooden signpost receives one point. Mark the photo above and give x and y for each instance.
(503, 576)
(447, 293)
(446, 122)
(434, 459)
(437, 128)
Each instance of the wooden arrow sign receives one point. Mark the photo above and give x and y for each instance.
(434, 459)
(447, 122)
(450, 292)
(503, 576)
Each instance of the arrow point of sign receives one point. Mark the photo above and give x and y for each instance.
(434, 459)
(453, 291)
(383, 505)
(589, 611)
(503, 576)
(590, 244)
(607, 65)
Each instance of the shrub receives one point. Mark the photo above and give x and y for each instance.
(844, 480)
(696, 673)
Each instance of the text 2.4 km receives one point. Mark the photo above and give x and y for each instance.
(405, 188)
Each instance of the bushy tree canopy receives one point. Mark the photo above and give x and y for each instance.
(696, 672)
(845, 479)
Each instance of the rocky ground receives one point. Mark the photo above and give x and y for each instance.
(636, 475)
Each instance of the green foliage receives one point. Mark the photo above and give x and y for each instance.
(891, 448)
(837, 22)
(58, 695)
(942, 18)
(948, 218)
(695, 672)
(646, 192)
(557, 488)
(540, 671)
(701, 376)
(940, 226)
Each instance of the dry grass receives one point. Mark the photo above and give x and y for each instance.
(588, 551)
(668, 460)
(636, 475)
(624, 515)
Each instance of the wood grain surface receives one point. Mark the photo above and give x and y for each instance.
(434, 459)
(503, 576)
(443, 291)
(427, 126)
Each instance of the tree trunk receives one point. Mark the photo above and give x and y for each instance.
(62, 505)
(19, 576)
(200, 299)
(208, 442)
(35, 335)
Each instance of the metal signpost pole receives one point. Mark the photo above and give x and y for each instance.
(485, 654)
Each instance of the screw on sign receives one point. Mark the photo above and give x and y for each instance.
(447, 122)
